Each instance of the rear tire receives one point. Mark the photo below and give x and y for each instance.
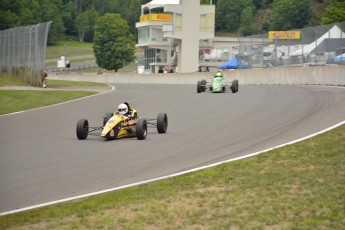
(82, 129)
(162, 123)
(141, 129)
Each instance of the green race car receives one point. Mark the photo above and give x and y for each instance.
(217, 85)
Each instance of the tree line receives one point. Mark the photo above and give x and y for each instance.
(245, 17)
(110, 24)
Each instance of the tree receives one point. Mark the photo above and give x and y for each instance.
(290, 14)
(334, 13)
(10, 14)
(68, 16)
(247, 22)
(92, 17)
(85, 23)
(113, 43)
(228, 14)
(51, 12)
(82, 25)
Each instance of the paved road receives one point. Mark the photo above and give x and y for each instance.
(41, 159)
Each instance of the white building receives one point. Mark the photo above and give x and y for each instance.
(178, 35)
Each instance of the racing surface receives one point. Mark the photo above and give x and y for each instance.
(41, 159)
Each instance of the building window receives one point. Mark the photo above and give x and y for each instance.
(143, 35)
(178, 22)
(207, 23)
(156, 35)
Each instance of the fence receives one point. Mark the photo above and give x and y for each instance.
(22, 52)
(309, 46)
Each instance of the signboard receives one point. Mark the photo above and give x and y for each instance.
(155, 17)
(284, 35)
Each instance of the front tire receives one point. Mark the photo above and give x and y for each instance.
(82, 129)
(203, 85)
(141, 129)
(234, 86)
(162, 123)
(198, 87)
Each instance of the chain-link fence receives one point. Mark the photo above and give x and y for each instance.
(318, 45)
(22, 52)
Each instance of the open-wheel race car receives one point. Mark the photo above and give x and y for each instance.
(217, 85)
(116, 126)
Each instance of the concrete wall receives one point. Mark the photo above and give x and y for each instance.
(317, 75)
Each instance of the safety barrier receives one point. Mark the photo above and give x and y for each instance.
(317, 75)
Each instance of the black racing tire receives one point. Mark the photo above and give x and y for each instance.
(162, 123)
(203, 85)
(198, 87)
(141, 129)
(82, 129)
(234, 86)
(106, 118)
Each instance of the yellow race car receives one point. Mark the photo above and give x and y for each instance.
(116, 126)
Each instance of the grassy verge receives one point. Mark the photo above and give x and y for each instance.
(7, 81)
(301, 186)
(69, 48)
(19, 100)
(73, 83)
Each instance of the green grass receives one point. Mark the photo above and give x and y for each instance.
(9, 81)
(69, 48)
(73, 83)
(19, 100)
(301, 186)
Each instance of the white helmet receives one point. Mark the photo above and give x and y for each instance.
(123, 109)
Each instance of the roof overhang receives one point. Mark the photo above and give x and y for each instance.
(159, 3)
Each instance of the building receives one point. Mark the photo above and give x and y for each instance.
(170, 33)
(178, 35)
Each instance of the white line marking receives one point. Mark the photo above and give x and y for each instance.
(171, 175)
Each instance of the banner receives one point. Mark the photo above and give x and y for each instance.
(155, 17)
(284, 35)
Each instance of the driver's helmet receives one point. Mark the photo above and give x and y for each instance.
(219, 74)
(123, 109)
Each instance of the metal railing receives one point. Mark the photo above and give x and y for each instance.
(318, 45)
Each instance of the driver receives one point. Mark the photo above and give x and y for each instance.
(218, 74)
(124, 110)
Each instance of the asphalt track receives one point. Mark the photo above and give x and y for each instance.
(41, 159)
